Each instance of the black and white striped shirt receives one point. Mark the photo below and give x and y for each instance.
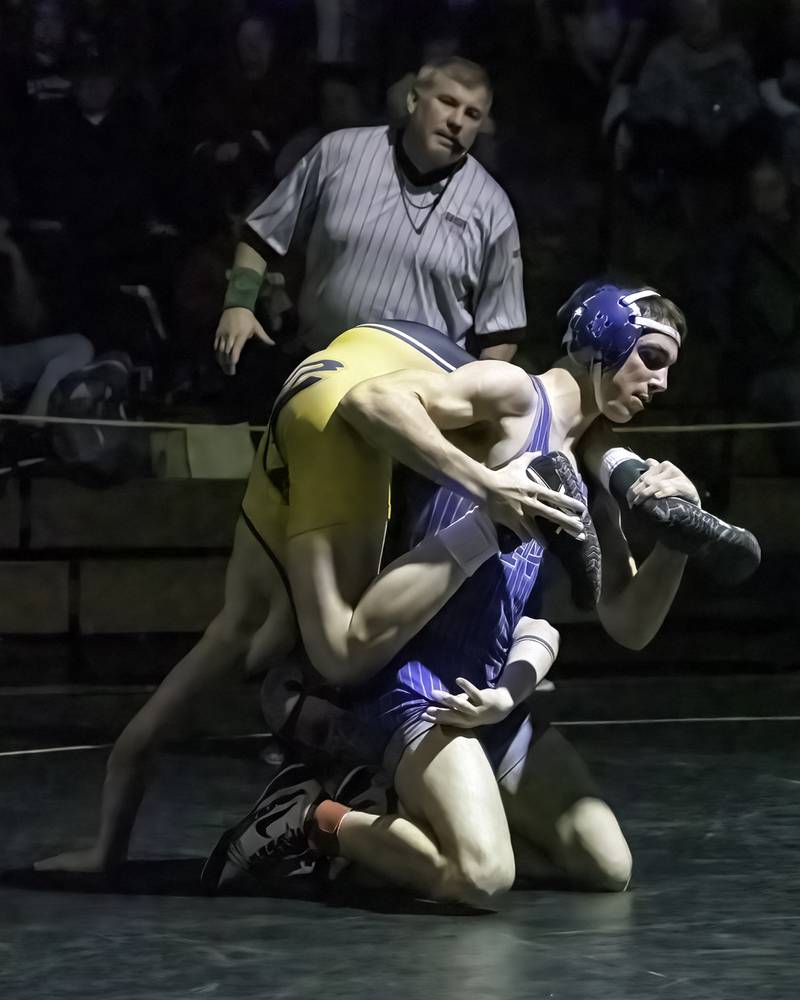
(379, 247)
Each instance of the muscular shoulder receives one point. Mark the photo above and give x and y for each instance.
(505, 388)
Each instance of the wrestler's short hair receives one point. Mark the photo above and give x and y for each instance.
(469, 74)
(664, 310)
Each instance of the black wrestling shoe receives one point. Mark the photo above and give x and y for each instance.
(270, 841)
(581, 559)
(727, 553)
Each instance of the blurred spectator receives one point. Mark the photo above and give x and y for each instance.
(778, 66)
(338, 35)
(696, 102)
(122, 33)
(88, 168)
(606, 38)
(23, 313)
(45, 63)
(103, 27)
(30, 365)
(200, 287)
(8, 188)
(697, 122)
(84, 182)
(34, 69)
(422, 30)
(766, 306)
(239, 121)
(339, 104)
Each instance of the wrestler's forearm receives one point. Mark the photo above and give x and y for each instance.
(130, 767)
(533, 652)
(520, 676)
(246, 256)
(131, 761)
(634, 614)
(394, 420)
(214, 660)
(124, 786)
(127, 772)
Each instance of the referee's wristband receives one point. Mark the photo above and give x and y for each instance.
(244, 285)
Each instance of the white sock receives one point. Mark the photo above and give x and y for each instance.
(612, 458)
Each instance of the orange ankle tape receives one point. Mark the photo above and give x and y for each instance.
(325, 823)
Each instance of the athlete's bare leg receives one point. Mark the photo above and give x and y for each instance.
(353, 616)
(561, 826)
(254, 628)
(455, 842)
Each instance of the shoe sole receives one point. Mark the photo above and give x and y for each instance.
(581, 560)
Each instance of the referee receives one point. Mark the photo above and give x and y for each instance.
(395, 224)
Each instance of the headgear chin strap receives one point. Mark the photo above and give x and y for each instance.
(604, 322)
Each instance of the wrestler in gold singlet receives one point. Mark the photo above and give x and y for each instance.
(311, 469)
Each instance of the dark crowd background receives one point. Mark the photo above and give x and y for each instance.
(657, 139)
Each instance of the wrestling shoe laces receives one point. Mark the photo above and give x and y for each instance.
(291, 843)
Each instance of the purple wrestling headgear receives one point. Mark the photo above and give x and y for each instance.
(604, 322)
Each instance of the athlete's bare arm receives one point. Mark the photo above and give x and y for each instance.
(635, 600)
(353, 619)
(407, 415)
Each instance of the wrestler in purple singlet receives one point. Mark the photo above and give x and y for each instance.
(470, 637)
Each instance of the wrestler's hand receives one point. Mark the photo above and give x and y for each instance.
(515, 500)
(662, 479)
(236, 327)
(471, 709)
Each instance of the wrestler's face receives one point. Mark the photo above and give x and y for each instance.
(445, 118)
(629, 389)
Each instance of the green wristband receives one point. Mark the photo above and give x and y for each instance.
(243, 288)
